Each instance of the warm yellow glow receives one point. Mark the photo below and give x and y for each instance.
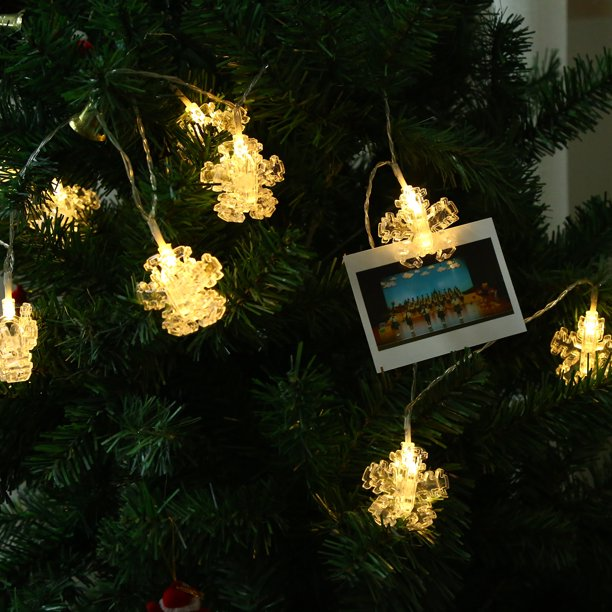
(6, 174)
(242, 177)
(195, 113)
(18, 336)
(223, 120)
(404, 488)
(14, 20)
(8, 308)
(590, 330)
(583, 350)
(181, 287)
(70, 202)
(418, 227)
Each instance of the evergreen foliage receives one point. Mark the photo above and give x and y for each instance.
(234, 456)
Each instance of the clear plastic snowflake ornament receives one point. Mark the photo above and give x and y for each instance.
(585, 349)
(418, 226)
(18, 336)
(181, 287)
(242, 176)
(72, 202)
(405, 489)
(210, 115)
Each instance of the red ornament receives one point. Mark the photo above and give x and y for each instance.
(19, 295)
(178, 597)
(84, 46)
(82, 42)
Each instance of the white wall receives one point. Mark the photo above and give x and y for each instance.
(548, 21)
(572, 27)
(590, 159)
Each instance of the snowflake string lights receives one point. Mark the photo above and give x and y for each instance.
(18, 336)
(71, 202)
(418, 226)
(242, 176)
(585, 349)
(182, 287)
(405, 489)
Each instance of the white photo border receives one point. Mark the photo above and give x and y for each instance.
(442, 343)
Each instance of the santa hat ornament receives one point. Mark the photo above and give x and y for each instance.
(178, 597)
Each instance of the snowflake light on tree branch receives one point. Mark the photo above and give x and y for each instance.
(242, 176)
(583, 350)
(18, 336)
(405, 489)
(181, 287)
(209, 114)
(71, 202)
(419, 225)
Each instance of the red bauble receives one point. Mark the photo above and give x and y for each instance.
(82, 42)
(178, 597)
(84, 46)
(19, 295)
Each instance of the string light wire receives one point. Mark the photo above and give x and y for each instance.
(449, 370)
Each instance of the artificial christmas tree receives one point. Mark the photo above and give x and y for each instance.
(232, 456)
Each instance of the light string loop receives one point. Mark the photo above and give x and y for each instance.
(394, 167)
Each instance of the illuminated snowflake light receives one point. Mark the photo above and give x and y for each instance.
(242, 176)
(223, 120)
(583, 350)
(18, 336)
(404, 488)
(181, 287)
(71, 202)
(418, 225)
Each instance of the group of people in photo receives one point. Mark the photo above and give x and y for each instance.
(438, 310)
(433, 308)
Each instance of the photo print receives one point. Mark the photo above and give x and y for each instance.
(412, 314)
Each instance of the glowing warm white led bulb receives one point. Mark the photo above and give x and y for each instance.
(591, 330)
(404, 488)
(584, 350)
(8, 308)
(419, 224)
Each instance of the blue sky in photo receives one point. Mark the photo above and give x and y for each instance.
(423, 281)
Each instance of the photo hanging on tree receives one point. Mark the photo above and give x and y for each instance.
(412, 314)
